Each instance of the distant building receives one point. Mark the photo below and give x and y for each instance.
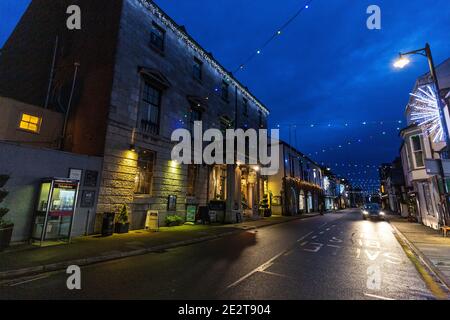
(298, 186)
(331, 192)
(393, 196)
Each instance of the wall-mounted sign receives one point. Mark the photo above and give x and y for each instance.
(172, 203)
(75, 174)
(90, 178)
(87, 199)
(191, 212)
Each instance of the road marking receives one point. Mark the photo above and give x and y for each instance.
(321, 232)
(313, 237)
(372, 256)
(276, 274)
(378, 297)
(306, 235)
(317, 247)
(303, 243)
(334, 239)
(29, 280)
(264, 266)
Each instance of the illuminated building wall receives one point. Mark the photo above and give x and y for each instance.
(170, 71)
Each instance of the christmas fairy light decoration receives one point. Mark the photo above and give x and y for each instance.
(425, 112)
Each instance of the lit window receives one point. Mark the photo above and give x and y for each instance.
(144, 175)
(30, 123)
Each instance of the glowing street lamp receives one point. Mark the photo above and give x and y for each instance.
(401, 62)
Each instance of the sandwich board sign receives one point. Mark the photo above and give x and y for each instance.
(152, 220)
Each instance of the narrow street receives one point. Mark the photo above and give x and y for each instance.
(336, 256)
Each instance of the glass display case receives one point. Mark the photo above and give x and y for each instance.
(55, 210)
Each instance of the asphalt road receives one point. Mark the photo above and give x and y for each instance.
(335, 256)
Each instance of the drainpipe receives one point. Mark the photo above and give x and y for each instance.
(66, 118)
(52, 70)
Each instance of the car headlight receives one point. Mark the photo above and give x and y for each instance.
(365, 212)
(381, 213)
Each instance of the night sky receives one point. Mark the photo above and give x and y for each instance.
(326, 69)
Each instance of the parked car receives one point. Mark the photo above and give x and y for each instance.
(372, 211)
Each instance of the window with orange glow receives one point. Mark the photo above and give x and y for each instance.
(30, 123)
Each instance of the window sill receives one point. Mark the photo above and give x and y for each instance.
(28, 131)
(157, 50)
(142, 196)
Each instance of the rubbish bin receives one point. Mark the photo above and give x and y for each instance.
(108, 224)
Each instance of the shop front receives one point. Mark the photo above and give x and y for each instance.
(301, 196)
(241, 189)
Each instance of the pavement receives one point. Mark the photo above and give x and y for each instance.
(428, 244)
(336, 256)
(24, 260)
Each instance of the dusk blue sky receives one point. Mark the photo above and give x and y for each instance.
(326, 69)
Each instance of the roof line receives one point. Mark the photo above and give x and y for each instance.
(152, 6)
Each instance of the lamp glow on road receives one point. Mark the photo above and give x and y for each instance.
(401, 62)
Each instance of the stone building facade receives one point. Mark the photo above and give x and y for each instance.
(137, 76)
(156, 59)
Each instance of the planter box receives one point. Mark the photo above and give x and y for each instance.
(5, 237)
(122, 228)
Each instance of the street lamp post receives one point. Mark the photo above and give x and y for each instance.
(401, 63)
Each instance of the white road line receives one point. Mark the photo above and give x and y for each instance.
(306, 235)
(29, 280)
(303, 243)
(378, 297)
(276, 274)
(264, 266)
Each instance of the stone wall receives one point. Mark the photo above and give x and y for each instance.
(176, 65)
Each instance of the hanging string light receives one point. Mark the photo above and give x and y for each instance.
(275, 35)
